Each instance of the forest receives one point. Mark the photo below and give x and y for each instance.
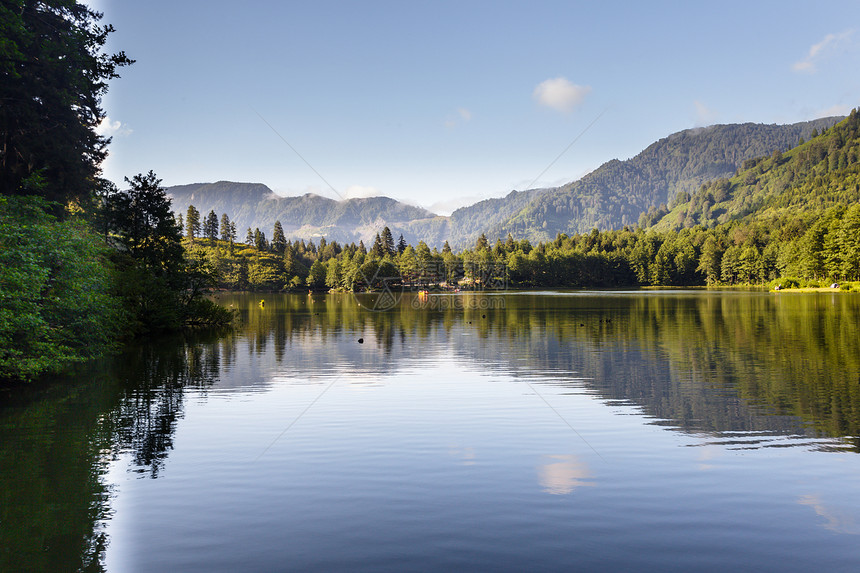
(788, 218)
(84, 266)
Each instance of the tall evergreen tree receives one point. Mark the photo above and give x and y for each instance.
(144, 223)
(482, 244)
(192, 222)
(401, 244)
(279, 241)
(53, 75)
(225, 228)
(210, 226)
(388, 241)
(378, 248)
(260, 240)
(249, 238)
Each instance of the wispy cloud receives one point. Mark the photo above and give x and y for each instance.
(361, 192)
(704, 115)
(463, 115)
(820, 50)
(560, 94)
(837, 109)
(108, 128)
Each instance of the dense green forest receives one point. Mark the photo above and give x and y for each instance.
(618, 192)
(83, 265)
(614, 195)
(793, 214)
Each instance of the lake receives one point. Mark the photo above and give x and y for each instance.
(639, 430)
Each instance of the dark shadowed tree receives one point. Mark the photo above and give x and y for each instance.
(192, 222)
(225, 228)
(53, 75)
(279, 241)
(210, 226)
(388, 241)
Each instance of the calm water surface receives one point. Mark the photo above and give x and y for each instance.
(648, 431)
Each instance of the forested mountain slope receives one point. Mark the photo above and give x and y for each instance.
(800, 184)
(619, 192)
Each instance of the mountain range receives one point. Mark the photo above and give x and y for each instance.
(616, 194)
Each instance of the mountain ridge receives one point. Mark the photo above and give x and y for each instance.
(618, 193)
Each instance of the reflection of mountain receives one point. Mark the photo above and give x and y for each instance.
(699, 362)
(742, 369)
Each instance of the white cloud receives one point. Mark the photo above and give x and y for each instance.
(448, 206)
(463, 115)
(704, 115)
(837, 109)
(360, 192)
(560, 94)
(108, 128)
(835, 518)
(820, 50)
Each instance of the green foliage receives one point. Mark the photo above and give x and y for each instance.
(55, 300)
(617, 193)
(745, 240)
(53, 75)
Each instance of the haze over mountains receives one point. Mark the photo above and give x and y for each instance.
(615, 195)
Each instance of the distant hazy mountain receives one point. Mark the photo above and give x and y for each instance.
(612, 196)
(308, 216)
(618, 192)
(466, 224)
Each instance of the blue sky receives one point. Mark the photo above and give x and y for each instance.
(442, 103)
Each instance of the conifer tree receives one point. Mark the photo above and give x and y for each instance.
(388, 241)
(279, 241)
(210, 226)
(192, 222)
(225, 228)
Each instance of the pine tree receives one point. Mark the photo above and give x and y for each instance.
(53, 75)
(388, 241)
(225, 228)
(260, 240)
(401, 244)
(279, 241)
(192, 222)
(249, 238)
(378, 249)
(210, 226)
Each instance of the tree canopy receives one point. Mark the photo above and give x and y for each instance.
(53, 75)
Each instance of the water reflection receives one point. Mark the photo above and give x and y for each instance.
(561, 474)
(744, 368)
(732, 371)
(58, 439)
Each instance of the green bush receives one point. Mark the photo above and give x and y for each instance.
(202, 312)
(56, 305)
(784, 283)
